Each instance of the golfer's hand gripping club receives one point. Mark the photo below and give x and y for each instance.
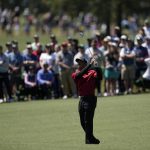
(92, 61)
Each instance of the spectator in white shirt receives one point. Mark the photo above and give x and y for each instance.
(147, 44)
(48, 56)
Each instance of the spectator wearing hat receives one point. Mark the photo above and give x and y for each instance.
(4, 77)
(147, 44)
(15, 65)
(57, 86)
(31, 87)
(127, 57)
(65, 62)
(45, 80)
(47, 56)
(140, 54)
(123, 40)
(36, 42)
(104, 49)
(111, 69)
(29, 59)
(8, 48)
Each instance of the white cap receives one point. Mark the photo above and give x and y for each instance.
(29, 46)
(114, 44)
(124, 37)
(108, 38)
(116, 39)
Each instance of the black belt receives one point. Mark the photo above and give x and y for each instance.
(88, 98)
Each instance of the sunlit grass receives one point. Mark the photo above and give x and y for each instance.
(121, 123)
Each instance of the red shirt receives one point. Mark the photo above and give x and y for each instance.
(86, 84)
(37, 53)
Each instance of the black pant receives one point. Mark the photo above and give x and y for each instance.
(5, 80)
(87, 107)
(139, 72)
(99, 78)
(45, 91)
(33, 91)
(58, 92)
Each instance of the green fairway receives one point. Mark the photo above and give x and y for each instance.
(121, 123)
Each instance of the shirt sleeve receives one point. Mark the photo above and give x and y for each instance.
(40, 81)
(73, 75)
(51, 76)
(133, 52)
(83, 71)
(122, 52)
(26, 81)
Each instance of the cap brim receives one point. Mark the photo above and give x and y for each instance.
(77, 60)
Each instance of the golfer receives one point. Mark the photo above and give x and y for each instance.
(85, 79)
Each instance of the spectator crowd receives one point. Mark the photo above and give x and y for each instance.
(44, 71)
(12, 21)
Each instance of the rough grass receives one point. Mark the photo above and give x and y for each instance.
(22, 38)
(121, 123)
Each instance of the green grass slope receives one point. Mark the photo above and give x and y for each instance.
(121, 123)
